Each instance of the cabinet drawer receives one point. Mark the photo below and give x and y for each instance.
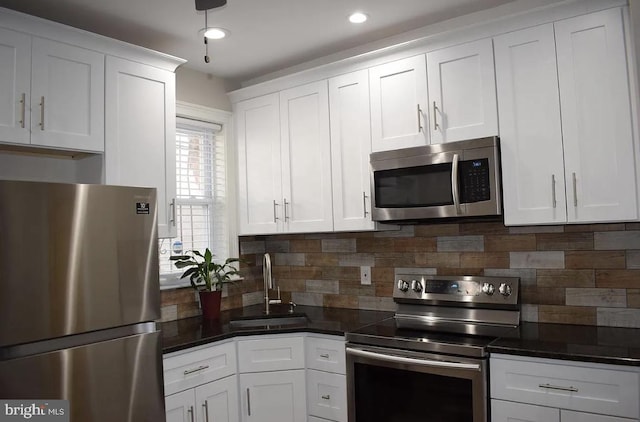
(327, 395)
(571, 416)
(326, 355)
(595, 388)
(271, 354)
(197, 367)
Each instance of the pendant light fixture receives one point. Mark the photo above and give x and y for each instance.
(206, 5)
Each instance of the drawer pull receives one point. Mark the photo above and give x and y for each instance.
(325, 355)
(327, 397)
(198, 369)
(558, 387)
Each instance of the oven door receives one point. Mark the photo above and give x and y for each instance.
(390, 385)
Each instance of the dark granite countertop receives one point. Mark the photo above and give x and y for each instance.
(619, 346)
(190, 332)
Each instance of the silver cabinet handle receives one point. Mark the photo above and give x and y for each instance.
(248, 403)
(327, 397)
(420, 128)
(553, 190)
(435, 117)
(190, 412)
(412, 361)
(206, 410)
(198, 369)
(286, 216)
(275, 214)
(575, 191)
(558, 387)
(324, 355)
(41, 113)
(454, 183)
(173, 212)
(364, 204)
(23, 100)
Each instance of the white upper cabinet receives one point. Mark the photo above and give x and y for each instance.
(462, 92)
(284, 161)
(140, 133)
(398, 104)
(15, 86)
(530, 128)
(350, 149)
(67, 96)
(596, 118)
(259, 170)
(53, 93)
(567, 140)
(306, 158)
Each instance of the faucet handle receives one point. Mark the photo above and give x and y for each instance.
(292, 307)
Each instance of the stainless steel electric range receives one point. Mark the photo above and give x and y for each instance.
(429, 362)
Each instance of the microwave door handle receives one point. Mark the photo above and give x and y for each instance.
(454, 183)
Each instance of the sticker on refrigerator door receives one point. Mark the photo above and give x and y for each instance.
(34, 410)
(142, 208)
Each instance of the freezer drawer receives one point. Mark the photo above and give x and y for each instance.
(116, 380)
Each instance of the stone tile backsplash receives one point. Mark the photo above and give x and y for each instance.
(576, 274)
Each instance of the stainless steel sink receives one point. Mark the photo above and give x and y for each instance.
(270, 321)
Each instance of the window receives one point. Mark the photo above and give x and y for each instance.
(201, 196)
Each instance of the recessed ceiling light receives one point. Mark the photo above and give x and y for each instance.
(215, 33)
(357, 17)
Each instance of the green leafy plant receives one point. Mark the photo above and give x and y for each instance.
(203, 272)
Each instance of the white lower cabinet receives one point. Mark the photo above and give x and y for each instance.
(535, 389)
(201, 384)
(215, 401)
(277, 396)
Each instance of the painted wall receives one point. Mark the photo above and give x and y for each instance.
(574, 274)
(202, 88)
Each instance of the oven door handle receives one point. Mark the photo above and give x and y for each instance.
(412, 361)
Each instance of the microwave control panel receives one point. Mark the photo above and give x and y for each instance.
(475, 184)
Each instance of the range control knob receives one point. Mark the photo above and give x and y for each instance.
(504, 289)
(416, 286)
(488, 288)
(403, 286)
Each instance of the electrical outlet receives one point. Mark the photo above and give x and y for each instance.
(365, 274)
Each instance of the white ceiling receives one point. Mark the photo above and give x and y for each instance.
(265, 35)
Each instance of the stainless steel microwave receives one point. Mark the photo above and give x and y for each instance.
(455, 179)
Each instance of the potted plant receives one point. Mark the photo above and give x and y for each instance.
(207, 277)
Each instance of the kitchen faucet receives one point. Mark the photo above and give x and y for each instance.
(268, 284)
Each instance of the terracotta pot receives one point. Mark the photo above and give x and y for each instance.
(210, 304)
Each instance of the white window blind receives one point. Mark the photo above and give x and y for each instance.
(201, 198)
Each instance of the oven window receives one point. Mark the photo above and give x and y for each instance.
(423, 186)
(394, 395)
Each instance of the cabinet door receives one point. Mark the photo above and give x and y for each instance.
(350, 149)
(530, 129)
(67, 96)
(259, 169)
(398, 104)
(596, 118)
(218, 401)
(180, 407)
(273, 396)
(507, 411)
(462, 92)
(141, 133)
(306, 158)
(15, 86)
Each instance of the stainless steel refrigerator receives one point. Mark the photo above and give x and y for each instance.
(78, 299)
